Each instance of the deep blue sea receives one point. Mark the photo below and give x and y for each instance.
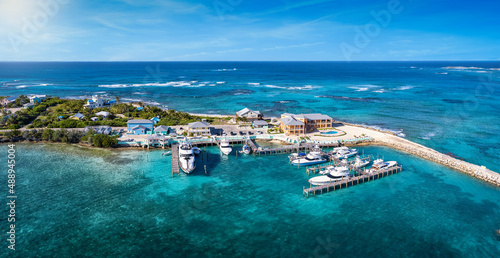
(75, 201)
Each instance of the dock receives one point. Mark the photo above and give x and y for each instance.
(352, 181)
(175, 159)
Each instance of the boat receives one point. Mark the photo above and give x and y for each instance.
(224, 146)
(186, 157)
(359, 163)
(345, 153)
(196, 150)
(167, 153)
(312, 158)
(332, 174)
(380, 164)
(246, 149)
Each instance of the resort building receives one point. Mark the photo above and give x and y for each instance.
(162, 129)
(249, 114)
(199, 128)
(77, 116)
(260, 124)
(140, 126)
(98, 102)
(292, 124)
(8, 100)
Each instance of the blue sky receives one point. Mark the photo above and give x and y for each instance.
(248, 30)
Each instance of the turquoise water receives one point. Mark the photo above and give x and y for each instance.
(74, 201)
(438, 104)
(329, 133)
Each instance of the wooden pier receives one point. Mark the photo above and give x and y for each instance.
(175, 159)
(356, 180)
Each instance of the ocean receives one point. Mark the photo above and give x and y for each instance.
(93, 202)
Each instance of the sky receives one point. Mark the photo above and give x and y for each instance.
(248, 30)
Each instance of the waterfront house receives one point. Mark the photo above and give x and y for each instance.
(140, 126)
(162, 129)
(77, 116)
(104, 114)
(260, 124)
(98, 102)
(37, 98)
(293, 124)
(155, 140)
(155, 119)
(199, 128)
(249, 114)
(103, 129)
(4, 102)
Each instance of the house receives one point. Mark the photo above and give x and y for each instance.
(139, 126)
(260, 124)
(249, 114)
(60, 117)
(156, 140)
(104, 114)
(77, 116)
(37, 98)
(155, 120)
(98, 102)
(162, 129)
(199, 128)
(299, 124)
(4, 102)
(28, 105)
(104, 129)
(94, 118)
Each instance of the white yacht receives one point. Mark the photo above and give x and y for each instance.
(225, 147)
(345, 153)
(246, 149)
(359, 163)
(379, 165)
(331, 174)
(186, 157)
(312, 158)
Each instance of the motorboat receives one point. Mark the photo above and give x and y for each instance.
(167, 153)
(225, 147)
(359, 163)
(331, 174)
(380, 164)
(186, 157)
(312, 158)
(345, 153)
(246, 149)
(196, 150)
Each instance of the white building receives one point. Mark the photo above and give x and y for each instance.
(249, 114)
(95, 102)
(104, 114)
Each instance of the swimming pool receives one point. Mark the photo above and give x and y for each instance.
(330, 132)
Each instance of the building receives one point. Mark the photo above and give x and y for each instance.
(155, 120)
(140, 126)
(299, 124)
(155, 140)
(249, 114)
(28, 105)
(98, 102)
(104, 114)
(260, 124)
(4, 102)
(162, 129)
(104, 129)
(199, 128)
(94, 118)
(37, 98)
(77, 116)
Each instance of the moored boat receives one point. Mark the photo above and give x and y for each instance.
(186, 157)
(332, 174)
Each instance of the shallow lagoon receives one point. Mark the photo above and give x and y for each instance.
(77, 201)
